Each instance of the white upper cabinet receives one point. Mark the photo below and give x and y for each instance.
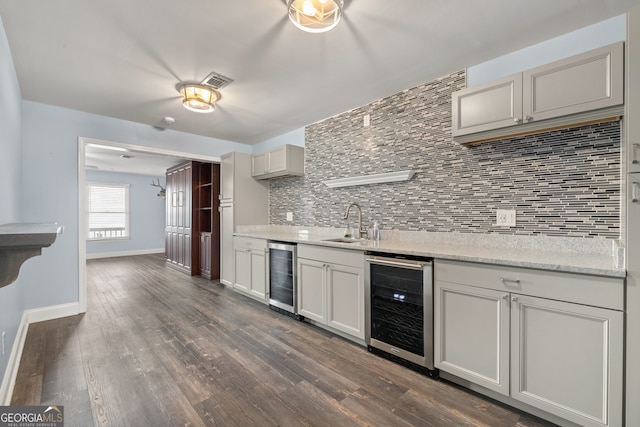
(579, 89)
(632, 104)
(489, 106)
(281, 161)
(583, 82)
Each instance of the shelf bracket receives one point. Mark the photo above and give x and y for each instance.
(21, 241)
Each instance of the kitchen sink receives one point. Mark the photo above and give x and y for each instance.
(344, 240)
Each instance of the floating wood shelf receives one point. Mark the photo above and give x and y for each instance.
(21, 241)
(370, 179)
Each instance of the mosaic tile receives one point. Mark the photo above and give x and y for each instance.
(561, 183)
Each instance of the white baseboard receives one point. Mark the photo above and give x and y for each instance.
(28, 317)
(10, 374)
(52, 312)
(124, 253)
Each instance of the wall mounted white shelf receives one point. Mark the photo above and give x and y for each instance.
(370, 179)
(21, 241)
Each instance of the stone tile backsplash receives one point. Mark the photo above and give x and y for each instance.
(561, 183)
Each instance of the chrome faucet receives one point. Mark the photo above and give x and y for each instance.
(362, 230)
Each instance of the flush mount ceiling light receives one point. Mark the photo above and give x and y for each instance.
(315, 16)
(198, 98)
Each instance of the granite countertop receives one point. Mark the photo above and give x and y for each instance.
(574, 255)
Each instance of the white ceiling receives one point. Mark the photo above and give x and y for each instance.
(103, 158)
(124, 58)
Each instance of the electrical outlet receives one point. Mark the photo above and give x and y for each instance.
(506, 218)
(367, 120)
(289, 216)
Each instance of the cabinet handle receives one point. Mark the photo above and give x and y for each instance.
(505, 296)
(528, 118)
(505, 281)
(514, 299)
(517, 119)
(634, 154)
(635, 187)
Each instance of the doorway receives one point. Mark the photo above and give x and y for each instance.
(82, 225)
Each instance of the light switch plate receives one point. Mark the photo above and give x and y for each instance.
(289, 216)
(506, 218)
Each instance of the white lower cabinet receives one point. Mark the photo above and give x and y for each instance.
(472, 334)
(331, 288)
(312, 295)
(250, 261)
(502, 328)
(566, 359)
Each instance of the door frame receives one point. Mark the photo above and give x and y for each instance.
(82, 226)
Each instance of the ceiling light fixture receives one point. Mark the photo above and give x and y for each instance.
(315, 16)
(198, 98)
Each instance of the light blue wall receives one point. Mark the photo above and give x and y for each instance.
(11, 296)
(50, 184)
(146, 214)
(295, 137)
(591, 37)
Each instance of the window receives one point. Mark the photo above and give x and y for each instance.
(107, 211)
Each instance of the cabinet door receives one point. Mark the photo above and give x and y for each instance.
(172, 248)
(205, 255)
(277, 159)
(581, 83)
(180, 182)
(226, 245)
(242, 262)
(312, 289)
(633, 292)
(180, 249)
(227, 163)
(472, 334)
(172, 194)
(345, 296)
(493, 105)
(259, 164)
(186, 257)
(258, 273)
(566, 359)
(187, 202)
(632, 110)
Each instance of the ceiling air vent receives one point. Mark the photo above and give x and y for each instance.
(217, 81)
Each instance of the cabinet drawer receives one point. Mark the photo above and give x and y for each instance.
(598, 291)
(250, 243)
(332, 255)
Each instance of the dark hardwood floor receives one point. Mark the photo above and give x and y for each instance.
(159, 348)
